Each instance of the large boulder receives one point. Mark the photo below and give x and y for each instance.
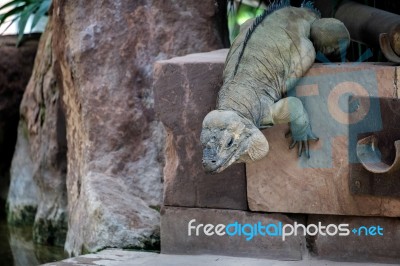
(15, 69)
(115, 145)
(39, 165)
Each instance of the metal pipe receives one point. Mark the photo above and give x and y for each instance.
(373, 27)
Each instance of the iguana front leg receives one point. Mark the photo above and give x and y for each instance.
(291, 110)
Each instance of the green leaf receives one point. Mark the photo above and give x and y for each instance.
(12, 12)
(22, 11)
(43, 8)
(13, 3)
(23, 18)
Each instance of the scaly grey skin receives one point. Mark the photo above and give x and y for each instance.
(251, 98)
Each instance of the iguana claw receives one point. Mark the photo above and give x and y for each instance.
(302, 141)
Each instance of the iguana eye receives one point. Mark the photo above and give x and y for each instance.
(230, 142)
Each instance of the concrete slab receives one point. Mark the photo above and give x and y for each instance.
(116, 257)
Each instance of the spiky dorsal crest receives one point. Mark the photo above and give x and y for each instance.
(270, 9)
(310, 5)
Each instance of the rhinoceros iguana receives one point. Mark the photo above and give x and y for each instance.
(263, 63)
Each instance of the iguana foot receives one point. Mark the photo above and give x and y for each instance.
(291, 110)
(302, 140)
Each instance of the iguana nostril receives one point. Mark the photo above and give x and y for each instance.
(208, 161)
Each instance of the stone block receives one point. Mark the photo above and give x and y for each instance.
(282, 182)
(359, 246)
(185, 91)
(175, 238)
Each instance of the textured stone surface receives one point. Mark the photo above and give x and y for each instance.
(115, 257)
(185, 91)
(114, 143)
(361, 248)
(175, 238)
(283, 183)
(15, 69)
(40, 157)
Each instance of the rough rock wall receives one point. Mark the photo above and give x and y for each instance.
(106, 50)
(39, 164)
(16, 65)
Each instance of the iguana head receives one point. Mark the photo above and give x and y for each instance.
(228, 138)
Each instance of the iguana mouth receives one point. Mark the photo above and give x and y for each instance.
(222, 165)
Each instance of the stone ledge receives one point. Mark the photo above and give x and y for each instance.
(186, 89)
(382, 249)
(116, 257)
(175, 238)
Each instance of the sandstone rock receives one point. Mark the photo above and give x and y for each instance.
(115, 162)
(282, 182)
(175, 237)
(15, 69)
(39, 161)
(359, 246)
(185, 91)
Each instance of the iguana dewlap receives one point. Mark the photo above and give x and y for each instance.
(263, 63)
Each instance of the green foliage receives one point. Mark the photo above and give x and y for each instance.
(21, 11)
(239, 16)
(247, 12)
